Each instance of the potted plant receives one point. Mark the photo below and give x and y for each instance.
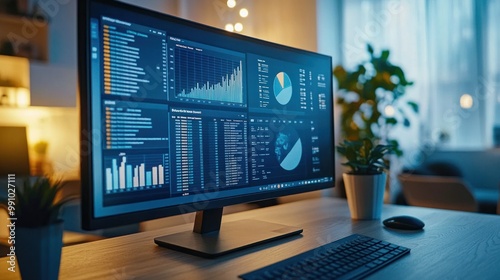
(370, 98)
(365, 182)
(38, 228)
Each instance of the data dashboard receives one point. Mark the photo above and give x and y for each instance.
(182, 115)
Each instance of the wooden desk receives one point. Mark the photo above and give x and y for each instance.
(453, 245)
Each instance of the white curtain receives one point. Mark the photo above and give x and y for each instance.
(492, 64)
(392, 25)
(448, 48)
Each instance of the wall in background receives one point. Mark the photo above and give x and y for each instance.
(58, 127)
(164, 6)
(497, 110)
(14, 71)
(53, 83)
(288, 22)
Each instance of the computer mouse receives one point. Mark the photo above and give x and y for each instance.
(404, 222)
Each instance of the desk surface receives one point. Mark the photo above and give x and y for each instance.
(452, 245)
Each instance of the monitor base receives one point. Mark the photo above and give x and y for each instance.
(232, 236)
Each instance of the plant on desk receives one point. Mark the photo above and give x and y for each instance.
(38, 229)
(365, 183)
(371, 99)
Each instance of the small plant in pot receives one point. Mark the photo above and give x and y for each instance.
(365, 182)
(38, 228)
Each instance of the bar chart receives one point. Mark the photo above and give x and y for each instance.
(135, 172)
(205, 75)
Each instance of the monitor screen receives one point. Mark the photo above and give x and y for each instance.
(179, 117)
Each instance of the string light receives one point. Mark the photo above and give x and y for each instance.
(231, 3)
(243, 13)
(238, 27)
(229, 27)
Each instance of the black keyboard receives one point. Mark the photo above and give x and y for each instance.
(352, 257)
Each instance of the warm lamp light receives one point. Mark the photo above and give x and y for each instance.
(23, 97)
(14, 96)
(466, 101)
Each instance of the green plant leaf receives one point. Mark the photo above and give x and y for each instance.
(414, 106)
(363, 157)
(396, 70)
(370, 49)
(392, 121)
(385, 55)
(372, 82)
(406, 122)
(36, 202)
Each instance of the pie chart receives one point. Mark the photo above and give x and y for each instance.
(282, 88)
(288, 149)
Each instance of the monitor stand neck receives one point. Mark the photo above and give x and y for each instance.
(207, 221)
(211, 238)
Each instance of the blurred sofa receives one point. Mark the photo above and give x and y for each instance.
(481, 169)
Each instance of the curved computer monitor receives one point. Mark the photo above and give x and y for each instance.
(179, 117)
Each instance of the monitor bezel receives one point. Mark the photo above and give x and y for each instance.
(89, 221)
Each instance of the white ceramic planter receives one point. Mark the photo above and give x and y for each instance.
(365, 195)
